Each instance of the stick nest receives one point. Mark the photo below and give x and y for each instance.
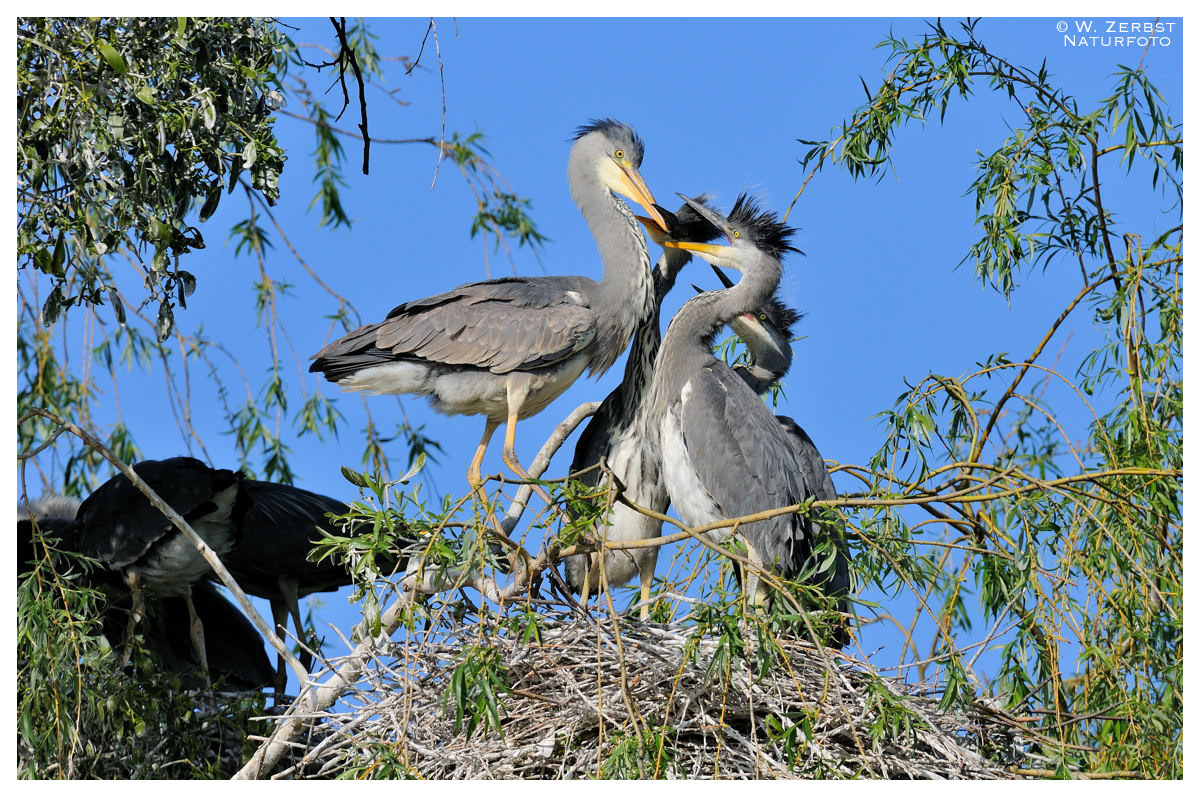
(584, 703)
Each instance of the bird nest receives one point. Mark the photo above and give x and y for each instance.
(583, 699)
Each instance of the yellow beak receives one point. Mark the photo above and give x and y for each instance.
(635, 187)
(711, 249)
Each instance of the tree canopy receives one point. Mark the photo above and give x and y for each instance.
(1022, 508)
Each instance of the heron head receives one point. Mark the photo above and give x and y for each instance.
(748, 229)
(767, 332)
(616, 150)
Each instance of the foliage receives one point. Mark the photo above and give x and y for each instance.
(123, 125)
(1057, 546)
(131, 133)
(81, 715)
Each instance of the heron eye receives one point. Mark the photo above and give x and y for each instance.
(762, 316)
(619, 154)
(737, 234)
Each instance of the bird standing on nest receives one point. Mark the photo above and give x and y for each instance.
(506, 348)
(724, 453)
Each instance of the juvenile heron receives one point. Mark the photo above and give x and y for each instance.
(119, 526)
(235, 656)
(767, 335)
(277, 526)
(506, 348)
(615, 434)
(724, 453)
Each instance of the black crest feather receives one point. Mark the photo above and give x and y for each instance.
(618, 132)
(762, 226)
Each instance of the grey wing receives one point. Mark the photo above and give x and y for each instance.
(813, 465)
(811, 461)
(501, 325)
(745, 461)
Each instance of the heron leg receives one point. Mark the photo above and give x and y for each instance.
(518, 389)
(291, 594)
(755, 588)
(279, 613)
(586, 589)
(197, 634)
(136, 610)
(647, 572)
(473, 476)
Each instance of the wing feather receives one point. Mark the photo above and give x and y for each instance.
(502, 325)
(742, 456)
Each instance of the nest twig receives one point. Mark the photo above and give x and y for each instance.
(577, 706)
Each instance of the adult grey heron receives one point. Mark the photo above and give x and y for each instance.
(119, 526)
(724, 454)
(615, 434)
(235, 656)
(506, 348)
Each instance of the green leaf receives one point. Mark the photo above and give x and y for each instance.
(113, 57)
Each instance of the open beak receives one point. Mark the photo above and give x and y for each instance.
(722, 276)
(714, 218)
(652, 226)
(636, 188)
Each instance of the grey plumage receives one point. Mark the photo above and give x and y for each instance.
(506, 348)
(724, 453)
(615, 435)
(767, 337)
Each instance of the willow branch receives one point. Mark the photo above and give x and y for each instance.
(177, 520)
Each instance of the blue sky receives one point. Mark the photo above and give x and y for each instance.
(720, 104)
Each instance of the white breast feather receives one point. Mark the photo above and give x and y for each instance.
(688, 494)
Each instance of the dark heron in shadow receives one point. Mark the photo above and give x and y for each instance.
(118, 526)
(277, 527)
(506, 348)
(235, 655)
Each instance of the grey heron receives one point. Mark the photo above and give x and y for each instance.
(506, 348)
(767, 335)
(235, 656)
(120, 527)
(724, 453)
(615, 434)
(276, 528)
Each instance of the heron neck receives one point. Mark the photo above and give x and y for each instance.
(647, 337)
(688, 342)
(626, 293)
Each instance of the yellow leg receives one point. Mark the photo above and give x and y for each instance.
(510, 456)
(647, 573)
(473, 476)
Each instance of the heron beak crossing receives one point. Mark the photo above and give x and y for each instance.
(709, 249)
(653, 228)
(635, 188)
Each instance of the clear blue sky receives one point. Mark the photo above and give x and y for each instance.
(720, 104)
